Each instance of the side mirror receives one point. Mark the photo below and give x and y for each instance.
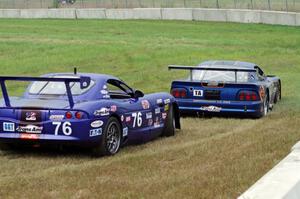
(138, 94)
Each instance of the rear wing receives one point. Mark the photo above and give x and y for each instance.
(215, 68)
(83, 80)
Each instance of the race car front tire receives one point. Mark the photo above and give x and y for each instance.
(111, 139)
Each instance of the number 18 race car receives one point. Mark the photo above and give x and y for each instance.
(91, 110)
(226, 87)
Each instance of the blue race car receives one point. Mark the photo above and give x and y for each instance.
(228, 87)
(92, 110)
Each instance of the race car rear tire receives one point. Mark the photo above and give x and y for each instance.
(265, 108)
(169, 129)
(111, 139)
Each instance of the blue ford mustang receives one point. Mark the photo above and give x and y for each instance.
(226, 87)
(93, 110)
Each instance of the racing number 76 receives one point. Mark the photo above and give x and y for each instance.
(66, 127)
(137, 119)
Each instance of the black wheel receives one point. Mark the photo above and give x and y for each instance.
(169, 129)
(278, 95)
(265, 107)
(111, 139)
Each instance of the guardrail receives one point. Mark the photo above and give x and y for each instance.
(282, 182)
(197, 14)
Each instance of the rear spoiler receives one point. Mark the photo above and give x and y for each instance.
(83, 80)
(216, 68)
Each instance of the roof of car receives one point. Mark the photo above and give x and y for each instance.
(94, 76)
(228, 64)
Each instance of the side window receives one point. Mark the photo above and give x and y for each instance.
(260, 74)
(117, 89)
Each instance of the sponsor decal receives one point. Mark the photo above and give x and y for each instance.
(128, 119)
(125, 131)
(198, 93)
(133, 100)
(150, 122)
(145, 104)
(30, 116)
(159, 101)
(164, 115)
(105, 96)
(57, 117)
(149, 115)
(29, 129)
(122, 118)
(213, 83)
(262, 93)
(166, 108)
(8, 126)
(156, 123)
(157, 111)
(97, 123)
(29, 136)
(102, 112)
(226, 102)
(167, 101)
(95, 132)
(104, 92)
(113, 108)
(211, 108)
(84, 84)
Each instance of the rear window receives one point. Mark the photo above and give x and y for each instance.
(57, 88)
(220, 76)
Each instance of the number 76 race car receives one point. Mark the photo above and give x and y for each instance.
(91, 110)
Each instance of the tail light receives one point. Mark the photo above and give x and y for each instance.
(179, 92)
(248, 96)
(69, 115)
(78, 115)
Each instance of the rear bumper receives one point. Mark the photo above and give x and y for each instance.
(252, 108)
(81, 134)
(32, 139)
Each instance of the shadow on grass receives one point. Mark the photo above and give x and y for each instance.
(17, 151)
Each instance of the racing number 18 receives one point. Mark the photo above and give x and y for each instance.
(66, 127)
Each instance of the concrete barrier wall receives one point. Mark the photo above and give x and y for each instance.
(282, 182)
(177, 13)
(297, 19)
(283, 18)
(10, 13)
(148, 13)
(244, 16)
(197, 14)
(201, 14)
(90, 13)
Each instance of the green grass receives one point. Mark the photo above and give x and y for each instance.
(208, 158)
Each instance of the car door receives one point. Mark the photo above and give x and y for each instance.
(160, 108)
(135, 111)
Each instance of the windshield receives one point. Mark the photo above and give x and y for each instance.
(57, 88)
(220, 76)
